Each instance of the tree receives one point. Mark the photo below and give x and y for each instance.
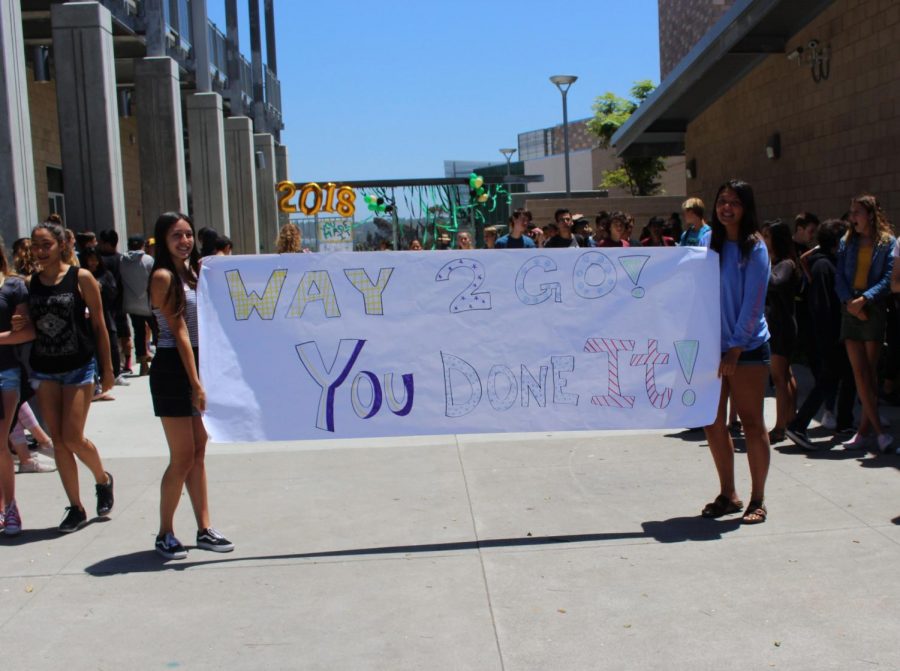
(640, 175)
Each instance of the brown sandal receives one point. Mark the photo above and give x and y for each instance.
(756, 513)
(721, 506)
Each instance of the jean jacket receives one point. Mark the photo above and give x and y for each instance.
(878, 283)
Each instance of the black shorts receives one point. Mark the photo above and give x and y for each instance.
(761, 356)
(169, 384)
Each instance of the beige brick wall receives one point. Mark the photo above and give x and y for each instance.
(838, 138)
(681, 25)
(45, 144)
(131, 176)
(44, 137)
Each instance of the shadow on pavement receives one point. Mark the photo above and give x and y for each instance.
(46, 534)
(675, 530)
(689, 435)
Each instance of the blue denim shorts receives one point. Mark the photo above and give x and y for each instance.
(70, 378)
(10, 379)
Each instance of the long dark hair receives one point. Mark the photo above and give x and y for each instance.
(164, 260)
(91, 253)
(782, 242)
(748, 230)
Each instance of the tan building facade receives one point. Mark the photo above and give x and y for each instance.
(800, 99)
(838, 137)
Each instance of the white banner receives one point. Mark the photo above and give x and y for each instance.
(344, 345)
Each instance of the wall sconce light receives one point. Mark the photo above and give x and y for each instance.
(773, 147)
(816, 55)
(690, 169)
(40, 56)
(123, 99)
(260, 160)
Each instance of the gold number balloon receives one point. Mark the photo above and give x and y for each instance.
(346, 202)
(316, 190)
(328, 198)
(284, 202)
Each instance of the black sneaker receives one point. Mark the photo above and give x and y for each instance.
(75, 519)
(170, 547)
(210, 539)
(105, 497)
(800, 438)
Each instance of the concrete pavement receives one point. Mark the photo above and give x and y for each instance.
(510, 551)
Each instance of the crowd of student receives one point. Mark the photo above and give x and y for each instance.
(76, 315)
(609, 229)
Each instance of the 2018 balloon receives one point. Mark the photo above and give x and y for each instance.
(339, 199)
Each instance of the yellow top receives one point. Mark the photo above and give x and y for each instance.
(863, 263)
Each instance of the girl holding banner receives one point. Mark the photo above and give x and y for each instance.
(744, 369)
(178, 396)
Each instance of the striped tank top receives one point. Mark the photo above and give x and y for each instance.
(166, 339)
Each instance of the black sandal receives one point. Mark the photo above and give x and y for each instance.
(756, 513)
(721, 506)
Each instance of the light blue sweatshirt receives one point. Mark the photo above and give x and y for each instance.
(743, 285)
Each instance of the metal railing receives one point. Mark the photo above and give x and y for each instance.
(272, 92)
(218, 63)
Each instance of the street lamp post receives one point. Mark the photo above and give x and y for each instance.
(563, 82)
(508, 153)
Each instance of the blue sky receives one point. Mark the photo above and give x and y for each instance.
(390, 90)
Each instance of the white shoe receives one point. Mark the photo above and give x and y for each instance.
(857, 442)
(37, 464)
(829, 421)
(46, 449)
(885, 441)
(121, 381)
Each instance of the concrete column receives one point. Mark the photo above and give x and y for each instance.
(266, 198)
(269, 10)
(200, 42)
(260, 123)
(155, 30)
(206, 139)
(88, 116)
(18, 205)
(160, 136)
(241, 172)
(281, 174)
(233, 58)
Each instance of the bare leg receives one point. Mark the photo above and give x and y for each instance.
(748, 389)
(861, 361)
(7, 471)
(785, 392)
(722, 448)
(49, 395)
(196, 480)
(186, 467)
(76, 401)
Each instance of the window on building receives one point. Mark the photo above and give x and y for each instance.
(535, 144)
(55, 191)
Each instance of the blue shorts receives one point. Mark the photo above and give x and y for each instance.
(10, 379)
(70, 378)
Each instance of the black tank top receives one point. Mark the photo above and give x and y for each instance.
(63, 340)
